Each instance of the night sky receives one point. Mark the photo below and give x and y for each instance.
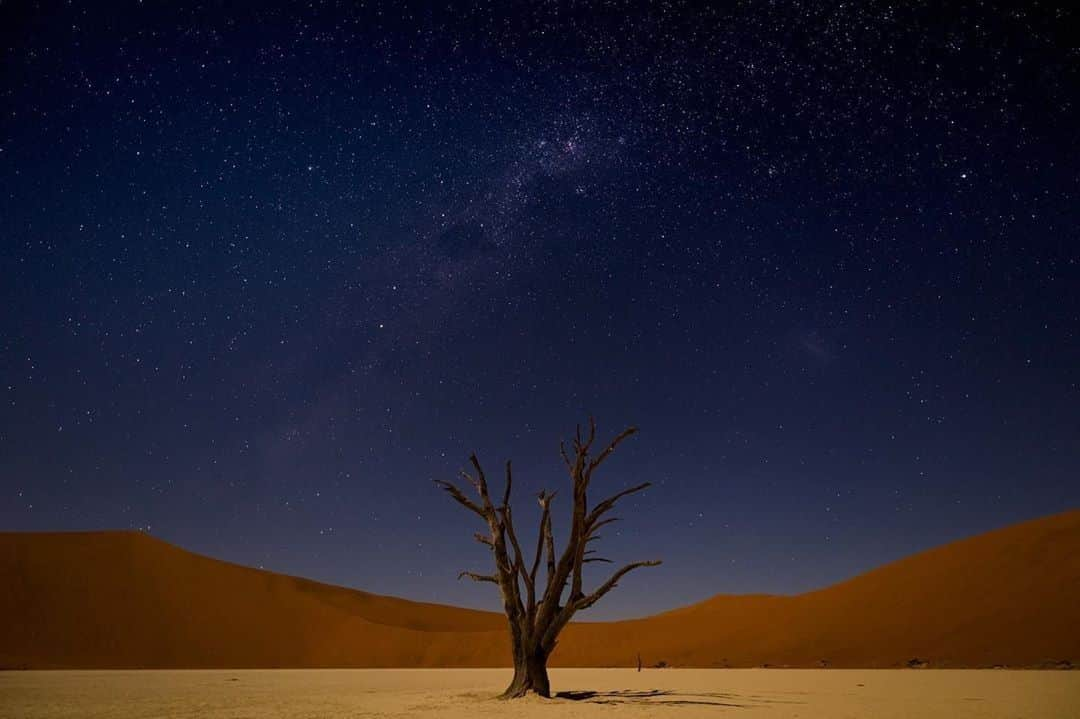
(269, 272)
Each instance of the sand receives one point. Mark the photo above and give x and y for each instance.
(463, 693)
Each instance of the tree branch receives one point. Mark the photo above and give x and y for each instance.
(549, 542)
(506, 570)
(608, 503)
(581, 446)
(565, 456)
(569, 565)
(545, 518)
(509, 483)
(478, 577)
(610, 584)
(481, 483)
(593, 529)
(628, 432)
(454, 491)
(519, 559)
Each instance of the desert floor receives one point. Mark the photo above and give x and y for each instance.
(683, 693)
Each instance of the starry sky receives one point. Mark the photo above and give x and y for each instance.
(268, 271)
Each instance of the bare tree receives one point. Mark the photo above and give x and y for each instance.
(538, 613)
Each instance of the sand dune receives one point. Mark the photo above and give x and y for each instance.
(127, 600)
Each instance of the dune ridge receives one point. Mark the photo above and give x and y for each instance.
(128, 600)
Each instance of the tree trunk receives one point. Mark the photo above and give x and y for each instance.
(530, 675)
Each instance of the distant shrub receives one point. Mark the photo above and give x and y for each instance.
(1063, 664)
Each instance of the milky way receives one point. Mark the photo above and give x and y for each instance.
(269, 272)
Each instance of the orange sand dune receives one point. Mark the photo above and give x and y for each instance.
(123, 599)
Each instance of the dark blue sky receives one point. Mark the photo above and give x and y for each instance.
(268, 272)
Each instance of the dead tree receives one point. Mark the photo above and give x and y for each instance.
(536, 612)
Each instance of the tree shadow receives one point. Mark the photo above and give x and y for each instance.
(672, 697)
(651, 696)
